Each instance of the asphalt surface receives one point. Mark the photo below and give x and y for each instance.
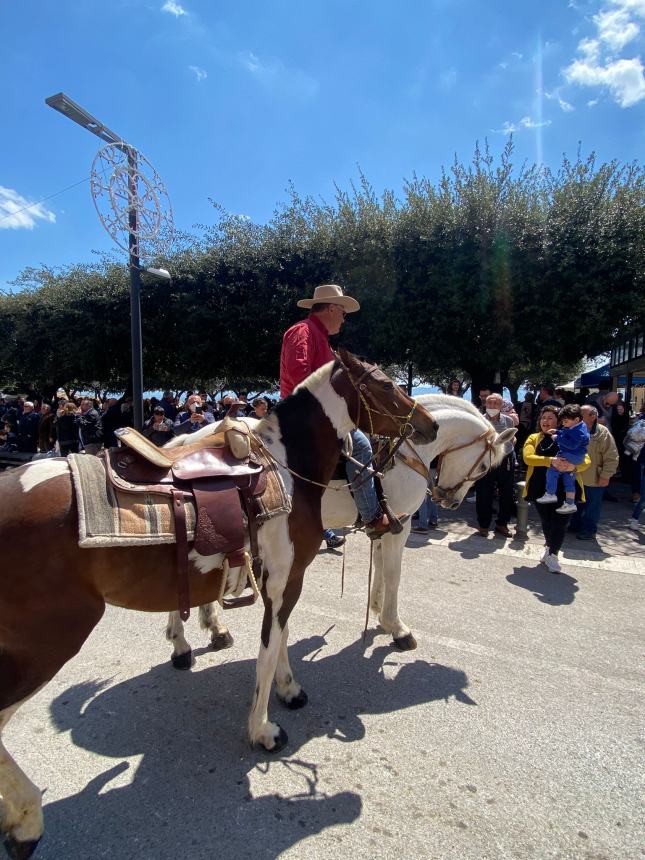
(513, 731)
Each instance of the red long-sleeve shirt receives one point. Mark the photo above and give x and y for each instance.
(305, 348)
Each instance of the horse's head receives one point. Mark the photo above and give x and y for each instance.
(459, 466)
(379, 406)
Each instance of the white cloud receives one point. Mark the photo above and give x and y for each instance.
(513, 58)
(17, 213)
(525, 122)
(598, 63)
(623, 78)
(592, 103)
(590, 49)
(274, 75)
(564, 105)
(615, 28)
(200, 74)
(173, 8)
(635, 6)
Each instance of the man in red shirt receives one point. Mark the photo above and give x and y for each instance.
(305, 348)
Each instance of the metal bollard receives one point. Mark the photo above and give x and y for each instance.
(521, 526)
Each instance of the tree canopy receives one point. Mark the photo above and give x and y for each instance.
(493, 272)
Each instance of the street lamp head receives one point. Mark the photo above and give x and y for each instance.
(69, 108)
(162, 274)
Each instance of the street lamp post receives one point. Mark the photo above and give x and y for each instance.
(75, 112)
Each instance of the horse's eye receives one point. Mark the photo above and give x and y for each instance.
(388, 386)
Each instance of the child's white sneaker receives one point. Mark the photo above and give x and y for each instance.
(566, 508)
(552, 564)
(633, 524)
(546, 498)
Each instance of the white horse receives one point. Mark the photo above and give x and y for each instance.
(467, 447)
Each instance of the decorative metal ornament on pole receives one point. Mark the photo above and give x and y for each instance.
(133, 206)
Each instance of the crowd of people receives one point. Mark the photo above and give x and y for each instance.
(568, 487)
(67, 425)
(568, 447)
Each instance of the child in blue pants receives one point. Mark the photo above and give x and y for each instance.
(573, 440)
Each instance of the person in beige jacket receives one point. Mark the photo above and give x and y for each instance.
(604, 464)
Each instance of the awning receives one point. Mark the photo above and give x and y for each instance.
(593, 378)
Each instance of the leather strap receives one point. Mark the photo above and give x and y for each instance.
(416, 465)
(251, 508)
(396, 526)
(181, 544)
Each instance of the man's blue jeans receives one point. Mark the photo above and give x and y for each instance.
(428, 513)
(364, 492)
(585, 520)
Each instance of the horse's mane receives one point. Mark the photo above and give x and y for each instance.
(442, 403)
(447, 401)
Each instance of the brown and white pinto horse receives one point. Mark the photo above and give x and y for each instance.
(466, 448)
(52, 593)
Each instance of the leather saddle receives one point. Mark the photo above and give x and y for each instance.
(219, 474)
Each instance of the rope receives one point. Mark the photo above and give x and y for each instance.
(369, 591)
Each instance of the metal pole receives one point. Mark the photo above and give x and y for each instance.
(135, 295)
(522, 521)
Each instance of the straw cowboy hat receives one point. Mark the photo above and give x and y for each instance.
(333, 295)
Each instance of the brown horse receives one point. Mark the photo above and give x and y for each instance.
(52, 593)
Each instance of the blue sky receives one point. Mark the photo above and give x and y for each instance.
(234, 100)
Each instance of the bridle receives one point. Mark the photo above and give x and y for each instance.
(406, 429)
(488, 437)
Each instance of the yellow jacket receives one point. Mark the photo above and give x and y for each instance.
(532, 460)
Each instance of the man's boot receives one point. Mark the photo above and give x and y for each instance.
(380, 525)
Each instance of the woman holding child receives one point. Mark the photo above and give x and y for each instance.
(541, 453)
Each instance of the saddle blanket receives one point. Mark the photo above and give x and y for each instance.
(113, 517)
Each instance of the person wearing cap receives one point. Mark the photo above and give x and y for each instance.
(305, 348)
(159, 429)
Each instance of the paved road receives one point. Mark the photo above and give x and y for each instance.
(514, 731)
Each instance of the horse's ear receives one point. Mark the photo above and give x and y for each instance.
(505, 438)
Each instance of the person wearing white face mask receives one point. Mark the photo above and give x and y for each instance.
(500, 478)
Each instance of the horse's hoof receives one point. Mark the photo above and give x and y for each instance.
(280, 741)
(296, 702)
(222, 641)
(406, 643)
(182, 661)
(19, 850)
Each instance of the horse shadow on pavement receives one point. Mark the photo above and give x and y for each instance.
(554, 589)
(190, 792)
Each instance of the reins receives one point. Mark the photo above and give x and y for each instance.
(417, 464)
(406, 429)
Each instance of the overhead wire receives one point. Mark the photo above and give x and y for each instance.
(45, 199)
